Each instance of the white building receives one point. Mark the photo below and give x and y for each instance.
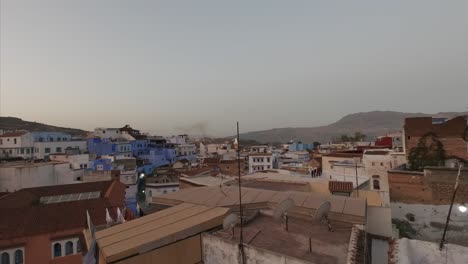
(179, 139)
(260, 149)
(260, 162)
(77, 162)
(18, 175)
(44, 149)
(186, 150)
(16, 144)
(302, 156)
(377, 163)
(108, 133)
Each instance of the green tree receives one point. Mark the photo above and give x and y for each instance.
(429, 152)
(358, 136)
(345, 138)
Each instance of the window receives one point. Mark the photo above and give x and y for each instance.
(22, 151)
(68, 248)
(373, 163)
(64, 139)
(5, 258)
(85, 166)
(268, 159)
(78, 246)
(409, 137)
(376, 184)
(1, 141)
(47, 150)
(381, 163)
(57, 250)
(15, 140)
(19, 256)
(27, 151)
(58, 149)
(58, 139)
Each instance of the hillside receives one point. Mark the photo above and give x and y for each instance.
(369, 123)
(13, 123)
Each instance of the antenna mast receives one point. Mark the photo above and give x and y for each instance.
(241, 239)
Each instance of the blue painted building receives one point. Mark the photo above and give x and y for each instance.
(106, 147)
(160, 156)
(299, 146)
(139, 147)
(102, 164)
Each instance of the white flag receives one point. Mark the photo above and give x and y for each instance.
(109, 219)
(120, 218)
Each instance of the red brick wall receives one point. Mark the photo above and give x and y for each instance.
(231, 168)
(453, 146)
(433, 187)
(409, 188)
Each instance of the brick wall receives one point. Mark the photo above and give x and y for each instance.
(231, 167)
(434, 186)
(409, 187)
(453, 146)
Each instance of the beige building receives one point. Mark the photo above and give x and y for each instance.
(171, 236)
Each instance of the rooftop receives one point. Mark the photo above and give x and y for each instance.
(13, 134)
(156, 230)
(265, 233)
(259, 154)
(347, 209)
(207, 180)
(23, 214)
(28, 164)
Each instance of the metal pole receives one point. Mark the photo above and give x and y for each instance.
(241, 239)
(357, 183)
(442, 241)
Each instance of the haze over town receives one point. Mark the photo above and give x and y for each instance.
(178, 66)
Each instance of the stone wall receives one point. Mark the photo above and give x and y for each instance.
(453, 146)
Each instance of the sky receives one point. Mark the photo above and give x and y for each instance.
(197, 67)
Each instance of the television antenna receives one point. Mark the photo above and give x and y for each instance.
(321, 214)
(229, 223)
(281, 211)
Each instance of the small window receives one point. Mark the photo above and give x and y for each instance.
(69, 248)
(15, 140)
(57, 250)
(47, 150)
(22, 151)
(373, 163)
(409, 137)
(64, 139)
(376, 184)
(78, 246)
(27, 151)
(1, 141)
(19, 256)
(381, 163)
(5, 258)
(58, 149)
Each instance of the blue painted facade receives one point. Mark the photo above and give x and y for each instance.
(300, 146)
(139, 147)
(50, 136)
(160, 156)
(105, 147)
(102, 164)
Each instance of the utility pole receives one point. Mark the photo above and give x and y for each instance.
(357, 183)
(241, 238)
(442, 241)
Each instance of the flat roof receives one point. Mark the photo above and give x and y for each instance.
(263, 232)
(27, 164)
(343, 208)
(156, 230)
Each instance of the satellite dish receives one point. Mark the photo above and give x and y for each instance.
(322, 211)
(322, 214)
(230, 221)
(283, 208)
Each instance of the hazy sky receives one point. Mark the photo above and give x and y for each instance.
(167, 66)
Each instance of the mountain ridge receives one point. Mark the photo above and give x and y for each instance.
(372, 123)
(15, 123)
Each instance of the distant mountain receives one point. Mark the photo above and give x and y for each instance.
(13, 123)
(369, 123)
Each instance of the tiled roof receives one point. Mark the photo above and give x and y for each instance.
(211, 160)
(23, 215)
(14, 134)
(339, 186)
